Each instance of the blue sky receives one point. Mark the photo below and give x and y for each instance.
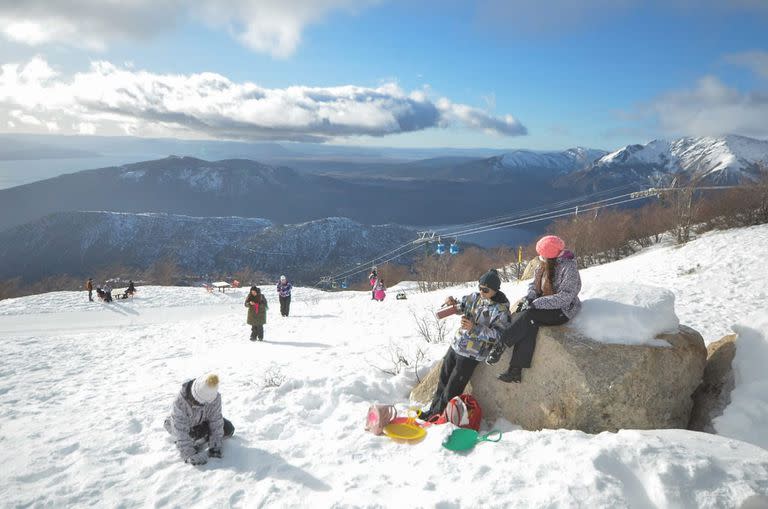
(502, 74)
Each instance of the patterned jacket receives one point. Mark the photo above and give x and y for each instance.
(187, 413)
(284, 289)
(491, 317)
(567, 285)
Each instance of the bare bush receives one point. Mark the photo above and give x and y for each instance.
(397, 360)
(273, 377)
(429, 327)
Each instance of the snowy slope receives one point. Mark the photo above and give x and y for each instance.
(84, 389)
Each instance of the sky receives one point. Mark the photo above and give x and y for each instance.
(549, 74)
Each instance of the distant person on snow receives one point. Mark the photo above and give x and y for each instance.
(379, 290)
(257, 313)
(553, 299)
(89, 287)
(373, 278)
(131, 288)
(485, 316)
(196, 419)
(284, 293)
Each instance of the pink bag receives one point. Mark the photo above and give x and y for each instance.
(379, 416)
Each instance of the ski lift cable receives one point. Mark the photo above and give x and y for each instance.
(373, 261)
(542, 217)
(494, 225)
(379, 260)
(481, 229)
(532, 210)
(358, 271)
(543, 207)
(509, 222)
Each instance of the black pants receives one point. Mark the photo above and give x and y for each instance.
(90, 295)
(257, 331)
(523, 331)
(202, 430)
(454, 376)
(285, 305)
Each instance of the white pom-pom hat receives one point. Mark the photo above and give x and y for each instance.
(205, 388)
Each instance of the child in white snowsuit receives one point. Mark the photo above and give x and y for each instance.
(196, 418)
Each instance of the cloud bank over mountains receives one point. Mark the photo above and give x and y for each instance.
(117, 100)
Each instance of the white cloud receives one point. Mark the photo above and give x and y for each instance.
(711, 108)
(269, 26)
(117, 100)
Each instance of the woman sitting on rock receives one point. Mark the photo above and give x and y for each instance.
(553, 299)
(485, 316)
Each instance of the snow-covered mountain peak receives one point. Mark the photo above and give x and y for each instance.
(726, 159)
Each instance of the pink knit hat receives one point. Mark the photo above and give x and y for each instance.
(550, 246)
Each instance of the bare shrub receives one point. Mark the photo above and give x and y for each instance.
(397, 360)
(429, 327)
(273, 377)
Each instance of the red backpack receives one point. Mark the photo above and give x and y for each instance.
(463, 411)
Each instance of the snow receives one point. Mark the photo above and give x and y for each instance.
(85, 387)
(618, 312)
(746, 417)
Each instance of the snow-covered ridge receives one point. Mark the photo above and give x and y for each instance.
(716, 159)
(555, 161)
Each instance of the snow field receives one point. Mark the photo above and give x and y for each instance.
(85, 387)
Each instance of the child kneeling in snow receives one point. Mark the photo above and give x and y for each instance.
(196, 418)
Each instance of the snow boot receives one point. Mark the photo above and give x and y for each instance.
(512, 375)
(495, 354)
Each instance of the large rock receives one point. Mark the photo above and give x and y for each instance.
(425, 389)
(577, 383)
(714, 393)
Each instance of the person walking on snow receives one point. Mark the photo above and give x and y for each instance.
(553, 299)
(257, 313)
(485, 318)
(284, 294)
(379, 290)
(89, 287)
(196, 419)
(373, 278)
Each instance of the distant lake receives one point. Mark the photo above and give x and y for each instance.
(18, 172)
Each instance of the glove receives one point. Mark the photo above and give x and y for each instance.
(214, 452)
(525, 304)
(197, 459)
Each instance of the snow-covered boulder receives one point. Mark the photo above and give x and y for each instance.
(576, 382)
(624, 362)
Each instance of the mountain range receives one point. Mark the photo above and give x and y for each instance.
(79, 242)
(220, 214)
